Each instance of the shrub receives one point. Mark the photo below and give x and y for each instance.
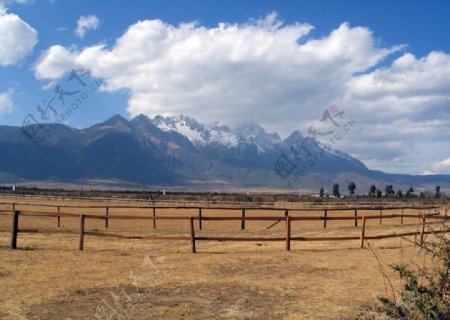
(425, 291)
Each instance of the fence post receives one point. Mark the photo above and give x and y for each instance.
(422, 231)
(192, 235)
(200, 218)
(356, 217)
(325, 218)
(81, 232)
(243, 220)
(154, 216)
(381, 216)
(363, 231)
(401, 219)
(15, 229)
(107, 218)
(288, 233)
(59, 218)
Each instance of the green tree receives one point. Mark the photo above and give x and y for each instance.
(372, 191)
(410, 192)
(389, 191)
(351, 188)
(438, 192)
(336, 192)
(321, 192)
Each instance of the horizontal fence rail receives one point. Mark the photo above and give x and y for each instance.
(302, 202)
(15, 230)
(201, 210)
(223, 207)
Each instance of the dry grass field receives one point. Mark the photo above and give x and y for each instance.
(48, 278)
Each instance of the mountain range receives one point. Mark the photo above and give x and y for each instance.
(180, 152)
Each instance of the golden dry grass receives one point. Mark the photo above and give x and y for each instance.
(48, 278)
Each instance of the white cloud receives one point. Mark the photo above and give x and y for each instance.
(6, 103)
(418, 82)
(259, 71)
(407, 101)
(85, 23)
(4, 3)
(54, 62)
(278, 75)
(441, 167)
(17, 39)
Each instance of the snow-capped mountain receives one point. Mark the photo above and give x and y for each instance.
(197, 133)
(217, 134)
(255, 134)
(179, 151)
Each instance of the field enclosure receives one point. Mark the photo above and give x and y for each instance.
(191, 222)
(125, 271)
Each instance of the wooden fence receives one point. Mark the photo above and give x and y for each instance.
(15, 230)
(107, 210)
(299, 204)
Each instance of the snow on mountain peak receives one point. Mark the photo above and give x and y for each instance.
(197, 133)
(218, 133)
(256, 134)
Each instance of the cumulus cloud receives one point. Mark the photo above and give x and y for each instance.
(276, 74)
(8, 2)
(441, 167)
(54, 62)
(407, 102)
(408, 86)
(227, 72)
(17, 38)
(6, 102)
(4, 3)
(85, 23)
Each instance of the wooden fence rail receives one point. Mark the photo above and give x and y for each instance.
(221, 207)
(107, 216)
(15, 230)
(303, 204)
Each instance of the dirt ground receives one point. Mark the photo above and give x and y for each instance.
(48, 278)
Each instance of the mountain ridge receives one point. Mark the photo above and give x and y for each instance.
(180, 151)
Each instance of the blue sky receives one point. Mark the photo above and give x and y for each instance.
(278, 63)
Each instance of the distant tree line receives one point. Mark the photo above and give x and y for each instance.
(389, 192)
